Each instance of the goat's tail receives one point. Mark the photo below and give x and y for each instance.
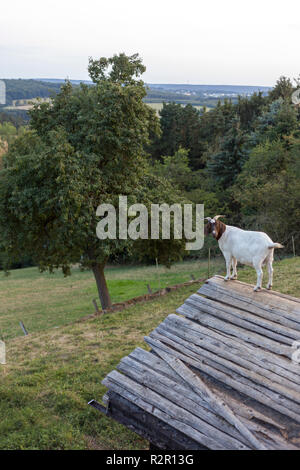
(276, 245)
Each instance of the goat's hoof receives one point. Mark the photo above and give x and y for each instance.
(226, 279)
(233, 278)
(269, 287)
(256, 289)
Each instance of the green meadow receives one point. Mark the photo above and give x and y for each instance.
(43, 300)
(52, 373)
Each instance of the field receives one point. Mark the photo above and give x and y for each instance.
(52, 373)
(46, 300)
(159, 106)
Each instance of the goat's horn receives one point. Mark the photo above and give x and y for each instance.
(216, 217)
(207, 218)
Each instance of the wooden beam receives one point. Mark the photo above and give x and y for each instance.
(195, 382)
(185, 398)
(241, 384)
(245, 319)
(158, 406)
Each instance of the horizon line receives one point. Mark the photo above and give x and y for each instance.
(146, 83)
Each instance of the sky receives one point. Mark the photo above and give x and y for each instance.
(192, 41)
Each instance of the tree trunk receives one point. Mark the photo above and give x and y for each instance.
(98, 270)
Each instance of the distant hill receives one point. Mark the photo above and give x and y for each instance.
(20, 90)
(204, 90)
(208, 89)
(60, 81)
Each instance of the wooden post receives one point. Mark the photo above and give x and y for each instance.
(193, 277)
(149, 289)
(293, 243)
(208, 264)
(158, 273)
(96, 306)
(23, 328)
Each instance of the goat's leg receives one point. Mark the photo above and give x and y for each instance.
(228, 259)
(270, 271)
(234, 264)
(259, 272)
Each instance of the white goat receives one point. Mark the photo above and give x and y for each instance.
(252, 248)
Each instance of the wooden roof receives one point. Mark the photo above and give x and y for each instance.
(219, 374)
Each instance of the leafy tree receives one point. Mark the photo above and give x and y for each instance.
(225, 165)
(268, 190)
(278, 120)
(248, 109)
(180, 127)
(213, 125)
(283, 89)
(85, 148)
(194, 185)
(155, 189)
(170, 123)
(8, 132)
(175, 168)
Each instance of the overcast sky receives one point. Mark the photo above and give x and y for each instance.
(189, 41)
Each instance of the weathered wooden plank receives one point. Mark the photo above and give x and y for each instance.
(229, 328)
(218, 405)
(233, 357)
(245, 319)
(146, 363)
(157, 405)
(183, 397)
(148, 426)
(231, 300)
(242, 385)
(233, 337)
(254, 357)
(256, 299)
(236, 366)
(264, 297)
(245, 412)
(265, 292)
(253, 381)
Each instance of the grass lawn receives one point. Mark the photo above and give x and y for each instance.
(51, 374)
(46, 300)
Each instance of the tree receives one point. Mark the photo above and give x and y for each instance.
(277, 121)
(283, 89)
(180, 127)
(84, 148)
(175, 168)
(248, 109)
(226, 164)
(170, 123)
(268, 190)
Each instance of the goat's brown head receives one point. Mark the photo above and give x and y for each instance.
(215, 227)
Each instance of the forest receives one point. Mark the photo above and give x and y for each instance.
(240, 159)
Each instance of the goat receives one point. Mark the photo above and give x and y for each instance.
(254, 249)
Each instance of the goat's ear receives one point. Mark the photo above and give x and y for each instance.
(221, 228)
(207, 229)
